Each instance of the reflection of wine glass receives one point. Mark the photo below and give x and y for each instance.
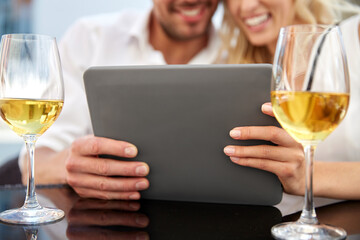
(310, 97)
(31, 232)
(31, 98)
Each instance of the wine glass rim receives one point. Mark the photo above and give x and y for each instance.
(28, 36)
(308, 28)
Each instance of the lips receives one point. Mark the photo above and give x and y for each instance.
(191, 13)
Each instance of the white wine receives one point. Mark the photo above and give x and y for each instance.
(309, 116)
(29, 116)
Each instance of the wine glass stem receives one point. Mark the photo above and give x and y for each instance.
(31, 200)
(31, 233)
(308, 214)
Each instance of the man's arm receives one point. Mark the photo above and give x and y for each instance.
(49, 166)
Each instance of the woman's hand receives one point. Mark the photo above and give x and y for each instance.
(286, 159)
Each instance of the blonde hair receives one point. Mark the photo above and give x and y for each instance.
(238, 49)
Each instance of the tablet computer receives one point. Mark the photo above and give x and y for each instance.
(179, 117)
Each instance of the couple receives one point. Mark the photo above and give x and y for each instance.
(181, 32)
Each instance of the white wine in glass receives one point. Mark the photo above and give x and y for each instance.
(31, 99)
(310, 96)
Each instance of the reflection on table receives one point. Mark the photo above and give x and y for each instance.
(152, 219)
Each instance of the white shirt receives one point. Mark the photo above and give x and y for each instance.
(103, 40)
(344, 143)
(122, 39)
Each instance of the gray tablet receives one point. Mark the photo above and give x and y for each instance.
(179, 117)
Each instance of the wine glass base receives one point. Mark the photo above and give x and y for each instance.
(302, 231)
(31, 216)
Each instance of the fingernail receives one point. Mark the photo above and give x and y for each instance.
(130, 151)
(142, 220)
(134, 205)
(266, 107)
(142, 171)
(134, 196)
(235, 133)
(235, 159)
(141, 185)
(142, 236)
(229, 150)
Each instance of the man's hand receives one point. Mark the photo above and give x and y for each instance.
(104, 178)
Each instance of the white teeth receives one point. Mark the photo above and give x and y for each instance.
(191, 13)
(256, 20)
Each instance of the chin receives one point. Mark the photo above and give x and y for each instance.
(189, 37)
(189, 34)
(261, 40)
(257, 42)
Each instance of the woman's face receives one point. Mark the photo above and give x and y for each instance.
(261, 20)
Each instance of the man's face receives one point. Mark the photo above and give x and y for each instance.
(184, 19)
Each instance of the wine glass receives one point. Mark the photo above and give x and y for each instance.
(310, 96)
(31, 99)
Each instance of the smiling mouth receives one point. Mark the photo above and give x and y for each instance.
(257, 20)
(191, 12)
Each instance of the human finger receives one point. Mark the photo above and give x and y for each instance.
(267, 109)
(106, 195)
(92, 145)
(105, 166)
(89, 233)
(87, 204)
(96, 217)
(290, 174)
(269, 152)
(268, 133)
(259, 163)
(109, 184)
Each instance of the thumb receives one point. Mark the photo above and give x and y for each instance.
(266, 108)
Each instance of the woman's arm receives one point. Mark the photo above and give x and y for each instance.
(337, 179)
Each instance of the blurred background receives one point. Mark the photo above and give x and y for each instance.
(53, 17)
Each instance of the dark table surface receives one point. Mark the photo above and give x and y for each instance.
(152, 219)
